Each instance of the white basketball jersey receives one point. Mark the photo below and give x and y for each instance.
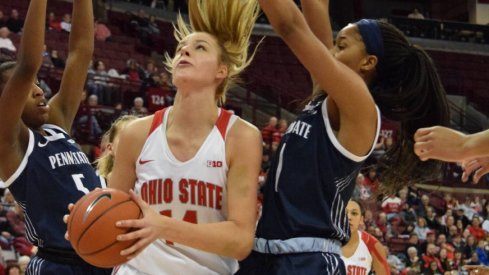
(194, 191)
(360, 262)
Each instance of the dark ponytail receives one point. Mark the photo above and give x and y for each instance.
(407, 90)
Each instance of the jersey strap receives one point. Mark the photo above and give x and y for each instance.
(371, 241)
(222, 122)
(157, 120)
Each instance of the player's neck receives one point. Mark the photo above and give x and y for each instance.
(193, 110)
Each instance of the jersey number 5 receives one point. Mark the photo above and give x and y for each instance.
(77, 178)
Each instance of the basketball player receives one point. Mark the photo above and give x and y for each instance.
(446, 144)
(195, 165)
(39, 162)
(311, 179)
(363, 252)
(106, 162)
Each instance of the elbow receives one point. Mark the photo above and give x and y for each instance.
(243, 248)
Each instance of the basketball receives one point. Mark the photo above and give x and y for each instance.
(92, 230)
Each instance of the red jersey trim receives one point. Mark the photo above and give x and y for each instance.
(157, 120)
(223, 121)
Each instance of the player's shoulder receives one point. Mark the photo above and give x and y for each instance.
(138, 129)
(243, 129)
(368, 239)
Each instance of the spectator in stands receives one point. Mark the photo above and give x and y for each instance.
(152, 27)
(415, 14)
(372, 179)
(470, 246)
(5, 41)
(132, 70)
(468, 211)
(57, 61)
(46, 58)
(407, 214)
(461, 220)
(476, 204)
(139, 21)
(102, 32)
(138, 108)
(482, 252)
(431, 218)
(435, 269)
(441, 242)
(368, 219)
(430, 239)
(475, 228)
(3, 20)
(444, 228)
(421, 229)
(165, 79)
(430, 257)
(458, 260)
(87, 130)
(98, 83)
(12, 269)
(391, 205)
(53, 24)
(394, 261)
(267, 131)
(148, 72)
(280, 131)
(473, 259)
(14, 23)
(413, 262)
(457, 242)
(66, 23)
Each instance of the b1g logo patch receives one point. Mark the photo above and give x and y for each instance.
(214, 163)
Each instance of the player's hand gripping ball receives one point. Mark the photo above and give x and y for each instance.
(92, 230)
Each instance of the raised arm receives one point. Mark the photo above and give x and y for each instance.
(64, 104)
(317, 16)
(357, 114)
(446, 144)
(19, 87)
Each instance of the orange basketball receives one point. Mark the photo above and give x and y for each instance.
(92, 230)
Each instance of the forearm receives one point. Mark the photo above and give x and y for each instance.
(226, 238)
(32, 42)
(284, 16)
(81, 42)
(317, 16)
(476, 145)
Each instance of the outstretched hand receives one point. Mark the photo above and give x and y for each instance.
(478, 167)
(440, 143)
(146, 230)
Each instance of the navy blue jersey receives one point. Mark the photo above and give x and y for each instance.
(53, 173)
(310, 181)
